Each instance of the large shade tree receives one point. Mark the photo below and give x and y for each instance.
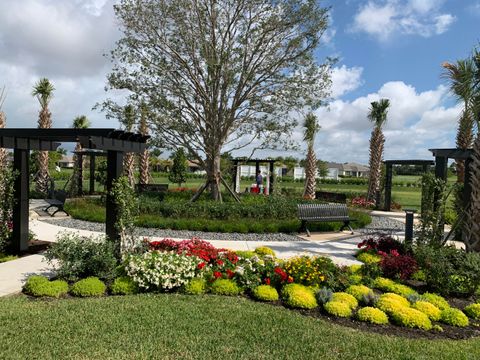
(378, 116)
(43, 91)
(311, 128)
(460, 76)
(221, 75)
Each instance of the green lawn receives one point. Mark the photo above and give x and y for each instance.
(188, 327)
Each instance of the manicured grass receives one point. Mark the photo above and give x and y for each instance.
(194, 327)
(5, 257)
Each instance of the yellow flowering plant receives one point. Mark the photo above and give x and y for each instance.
(311, 271)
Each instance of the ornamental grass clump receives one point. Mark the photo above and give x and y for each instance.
(91, 286)
(454, 317)
(324, 295)
(372, 315)
(226, 287)
(40, 286)
(411, 318)
(265, 293)
(196, 286)
(436, 300)
(473, 311)
(358, 291)
(299, 296)
(345, 298)
(162, 271)
(428, 309)
(124, 285)
(338, 308)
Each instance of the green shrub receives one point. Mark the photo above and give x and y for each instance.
(369, 258)
(5, 258)
(358, 291)
(345, 298)
(264, 250)
(246, 254)
(225, 287)
(338, 308)
(33, 282)
(473, 311)
(75, 257)
(265, 293)
(412, 318)
(355, 279)
(299, 296)
(91, 286)
(124, 285)
(393, 287)
(454, 317)
(354, 269)
(40, 286)
(372, 315)
(196, 286)
(419, 275)
(436, 300)
(312, 270)
(428, 309)
(390, 302)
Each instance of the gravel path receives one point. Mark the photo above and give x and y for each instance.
(379, 224)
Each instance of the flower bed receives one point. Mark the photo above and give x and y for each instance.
(313, 285)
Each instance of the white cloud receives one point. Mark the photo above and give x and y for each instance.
(384, 19)
(345, 79)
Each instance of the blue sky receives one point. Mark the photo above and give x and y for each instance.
(386, 48)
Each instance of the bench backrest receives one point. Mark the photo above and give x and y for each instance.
(319, 211)
(331, 196)
(60, 195)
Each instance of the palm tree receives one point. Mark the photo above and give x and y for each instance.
(471, 230)
(311, 129)
(3, 121)
(80, 122)
(461, 78)
(128, 121)
(378, 115)
(43, 91)
(145, 155)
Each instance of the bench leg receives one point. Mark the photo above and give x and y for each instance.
(48, 207)
(303, 228)
(345, 225)
(60, 209)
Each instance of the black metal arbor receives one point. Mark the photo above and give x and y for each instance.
(92, 154)
(389, 176)
(257, 163)
(114, 142)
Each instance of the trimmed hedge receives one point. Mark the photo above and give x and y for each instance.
(90, 286)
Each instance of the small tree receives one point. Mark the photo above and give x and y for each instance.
(179, 168)
(311, 129)
(80, 122)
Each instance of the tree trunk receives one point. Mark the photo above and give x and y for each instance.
(464, 141)
(144, 167)
(310, 174)
(3, 152)
(43, 176)
(471, 230)
(213, 176)
(75, 182)
(377, 141)
(129, 168)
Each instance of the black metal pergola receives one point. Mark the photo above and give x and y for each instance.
(22, 140)
(92, 154)
(389, 176)
(257, 163)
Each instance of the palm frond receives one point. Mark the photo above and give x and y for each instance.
(311, 127)
(43, 90)
(378, 112)
(81, 122)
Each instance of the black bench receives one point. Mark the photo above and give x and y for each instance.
(323, 213)
(331, 197)
(57, 201)
(159, 188)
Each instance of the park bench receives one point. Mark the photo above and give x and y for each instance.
(331, 197)
(57, 200)
(323, 213)
(158, 188)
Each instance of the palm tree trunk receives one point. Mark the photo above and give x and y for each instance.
(3, 152)
(129, 168)
(464, 141)
(144, 158)
(43, 176)
(310, 174)
(471, 233)
(377, 142)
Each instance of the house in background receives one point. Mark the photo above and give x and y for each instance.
(66, 162)
(350, 169)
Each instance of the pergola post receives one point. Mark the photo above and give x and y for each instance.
(80, 174)
(92, 175)
(272, 178)
(257, 168)
(114, 171)
(20, 207)
(388, 187)
(441, 167)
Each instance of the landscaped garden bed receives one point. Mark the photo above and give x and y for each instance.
(357, 296)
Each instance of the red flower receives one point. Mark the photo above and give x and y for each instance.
(217, 274)
(220, 262)
(290, 279)
(230, 273)
(394, 252)
(267, 281)
(201, 265)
